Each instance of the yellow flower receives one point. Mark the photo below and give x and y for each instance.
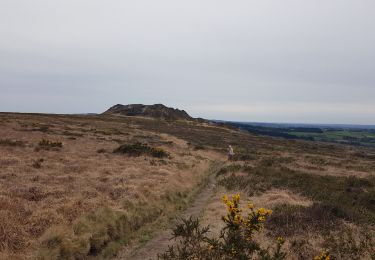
(280, 240)
(237, 219)
(261, 211)
(225, 198)
(236, 198)
(264, 212)
(323, 256)
(230, 206)
(250, 205)
(261, 218)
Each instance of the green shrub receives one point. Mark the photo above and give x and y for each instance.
(47, 144)
(138, 149)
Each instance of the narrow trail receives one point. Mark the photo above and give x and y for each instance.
(159, 243)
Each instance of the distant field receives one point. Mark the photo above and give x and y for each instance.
(353, 135)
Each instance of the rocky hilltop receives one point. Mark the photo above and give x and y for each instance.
(156, 111)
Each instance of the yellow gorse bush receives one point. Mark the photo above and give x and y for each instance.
(241, 227)
(251, 222)
(236, 238)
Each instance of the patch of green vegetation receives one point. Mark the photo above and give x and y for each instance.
(362, 137)
(349, 198)
(138, 149)
(47, 144)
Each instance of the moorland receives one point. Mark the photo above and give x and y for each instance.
(105, 186)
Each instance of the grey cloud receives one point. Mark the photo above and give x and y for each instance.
(244, 57)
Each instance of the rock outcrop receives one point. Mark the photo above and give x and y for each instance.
(156, 111)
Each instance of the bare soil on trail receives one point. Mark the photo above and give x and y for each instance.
(160, 242)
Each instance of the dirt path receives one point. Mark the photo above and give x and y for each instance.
(159, 243)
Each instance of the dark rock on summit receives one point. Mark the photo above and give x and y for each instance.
(156, 111)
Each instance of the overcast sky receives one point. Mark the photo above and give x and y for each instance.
(265, 60)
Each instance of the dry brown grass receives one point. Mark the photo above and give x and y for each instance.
(52, 201)
(74, 180)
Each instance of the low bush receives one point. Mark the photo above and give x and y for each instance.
(138, 149)
(47, 144)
